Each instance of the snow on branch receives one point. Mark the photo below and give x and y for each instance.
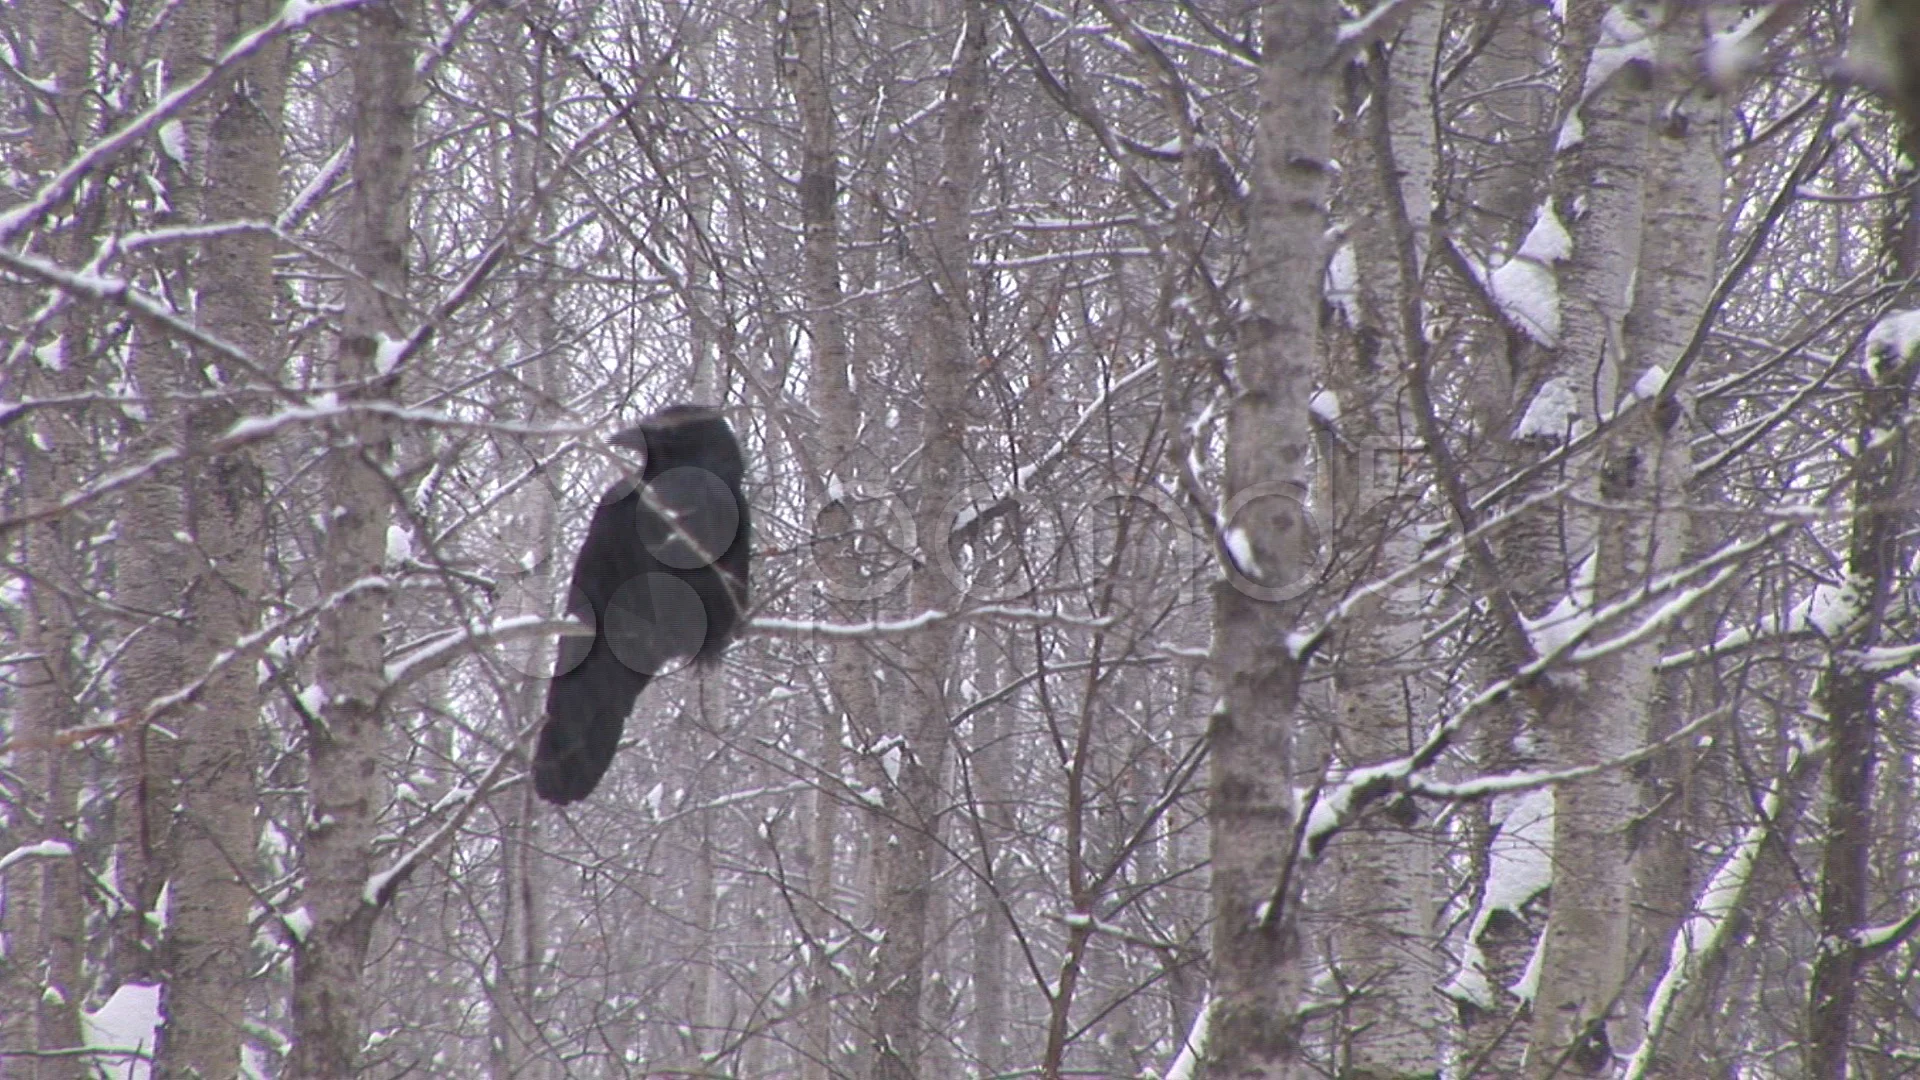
(914, 623)
(180, 234)
(444, 648)
(45, 849)
(394, 353)
(1879, 939)
(1659, 620)
(121, 1034)
(1532, 779)
(122, 293)
(1187, 1063)
(1623, 40)
(1554, 412)
(1302, 643)
(1703, 934)
(464, 799)
(1893, 341)
(1519, 868)
(1373, 25)
(1380, 24)
(247, 647)
(298, 206)
(1577, 624)
(381, 885)
(720, 802)
(1826, 612)
(317, 409)
(328, 405)
(1342, 803)
(1735, 53)
(295, 14)
(1890, 657)
(1569, 620)
(1527, 293)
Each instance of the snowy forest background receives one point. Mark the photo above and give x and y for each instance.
(1290, 542)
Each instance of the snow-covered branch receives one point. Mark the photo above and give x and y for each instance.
(1340, 804)
(1186, 1064)
(444, 648)
(246, 648)
(1532, 779)
(915, 623)
(122, 293)
(1879, 939)
(45, 849)
(1824, 613)
(294, 15)
(1703, 934)
(383, 884)
(1570, 636)
(319, 408)
(1024, 477)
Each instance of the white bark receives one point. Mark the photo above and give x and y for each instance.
(1685, 182)
(42, 910)
(848, 667)
(1599, 187)
(1383, 906)
(346, 792)
(1256, 947)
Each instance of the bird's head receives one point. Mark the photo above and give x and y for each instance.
(661, 426)
(683, 434)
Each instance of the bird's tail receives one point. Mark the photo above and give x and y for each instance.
(587, 706)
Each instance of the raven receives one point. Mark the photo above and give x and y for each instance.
(662, 579)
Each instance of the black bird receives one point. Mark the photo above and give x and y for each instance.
(662, 579)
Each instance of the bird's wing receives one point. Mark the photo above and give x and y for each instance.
(688, 517)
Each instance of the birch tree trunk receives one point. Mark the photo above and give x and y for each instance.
(1601, 715)
(908, 841)
(206, 798)
(1257, 970)
(1685, 181)
(42, 987)
(1514, 114)
(150, 577)
(848, 675)
(45, 911)
(529, 546)
(1383, 907)
(344, 774)
(989, 763)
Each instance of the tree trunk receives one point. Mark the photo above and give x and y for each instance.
(908, 837)
(1257, 970)
(329, 1006)
(1383, 896)
(42, 908)
(211, 797)
(1883, 477)
(1685, 182)
(1598, 189)
(848, 672)
(989, 764)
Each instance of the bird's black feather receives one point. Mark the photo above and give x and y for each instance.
(662, 578)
